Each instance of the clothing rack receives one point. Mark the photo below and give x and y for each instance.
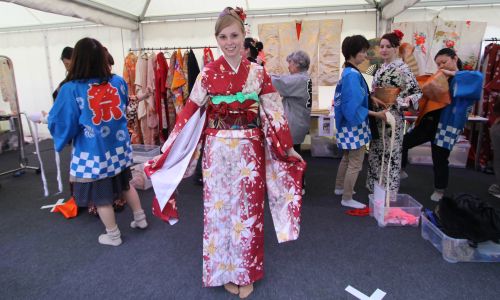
(169, 48)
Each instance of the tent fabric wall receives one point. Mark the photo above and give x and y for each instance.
(27, 49)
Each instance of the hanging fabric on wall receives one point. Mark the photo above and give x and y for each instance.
(320, 39)
(8, 86)
(430, 37)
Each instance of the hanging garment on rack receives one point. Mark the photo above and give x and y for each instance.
(320, 39)
(185, 87)
(193, 70)
(178, 81)
(430, 37)
(208, 56)
(491, 69)
(146, 111)
(161, 94)
(129, 73)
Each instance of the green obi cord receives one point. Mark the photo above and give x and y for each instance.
(240, 97)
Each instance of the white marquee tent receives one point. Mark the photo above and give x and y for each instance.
(33, 33)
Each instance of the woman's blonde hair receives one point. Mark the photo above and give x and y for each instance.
(228, 17)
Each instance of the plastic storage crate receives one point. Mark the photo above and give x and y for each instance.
(458, 250)
(421, 155)
(403, 205)
(143, 153)
(322, 146)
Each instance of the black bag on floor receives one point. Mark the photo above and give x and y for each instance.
(468, 217)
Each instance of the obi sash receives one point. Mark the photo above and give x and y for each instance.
(233, 112)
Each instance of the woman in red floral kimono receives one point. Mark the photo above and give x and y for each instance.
(248, 148)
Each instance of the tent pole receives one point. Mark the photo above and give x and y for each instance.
(141, 35)
(47, 58)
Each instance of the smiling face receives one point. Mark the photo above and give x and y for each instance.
(387, 51)
(230, 41)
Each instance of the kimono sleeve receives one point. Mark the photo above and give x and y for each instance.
(273, 108)
(410, 90)
(353, 95)
(467, 85)
(64, 117)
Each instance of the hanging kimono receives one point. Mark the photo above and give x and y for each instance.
(319, 39)
(245, 137)
(129, 73)
(430, 37)
(394, 74)
(160, 95)
(145, 88)
(491, 70)
(193, 70)
(176, 80)
(208, 56)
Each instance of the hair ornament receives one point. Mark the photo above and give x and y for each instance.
(398, 34)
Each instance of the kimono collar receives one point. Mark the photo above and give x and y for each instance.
(235, 69)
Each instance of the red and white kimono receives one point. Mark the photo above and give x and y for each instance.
(244, 153)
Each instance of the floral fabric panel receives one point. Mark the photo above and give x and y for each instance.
(430, 37)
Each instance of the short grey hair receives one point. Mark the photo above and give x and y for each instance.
(300, 58)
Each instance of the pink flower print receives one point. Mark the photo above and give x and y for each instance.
(449, 43)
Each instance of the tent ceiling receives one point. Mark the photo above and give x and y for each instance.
(29, 15)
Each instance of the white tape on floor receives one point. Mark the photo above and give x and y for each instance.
(377, 295)
(52, 206)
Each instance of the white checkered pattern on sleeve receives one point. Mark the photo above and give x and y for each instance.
(446, 137)
(350, 138)
(83, 165)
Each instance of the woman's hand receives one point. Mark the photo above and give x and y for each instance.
(448, 73)
(378, 114)
(292, 153)
(155, 159)
(378, 103)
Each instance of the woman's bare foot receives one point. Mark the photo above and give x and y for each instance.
(232, 288)
(246, 290)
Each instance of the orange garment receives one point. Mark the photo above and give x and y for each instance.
(129, 72)
(178, 81)
(436, 94)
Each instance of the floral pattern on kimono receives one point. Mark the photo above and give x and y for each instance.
(238, 166)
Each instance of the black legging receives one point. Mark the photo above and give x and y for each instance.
(426, 132)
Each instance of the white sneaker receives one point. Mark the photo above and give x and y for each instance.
(437, 195)
(340, 192)
(403, 175)
(352, 203)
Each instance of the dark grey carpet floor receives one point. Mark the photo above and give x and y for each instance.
(44, 256)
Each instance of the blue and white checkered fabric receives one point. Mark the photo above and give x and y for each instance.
(351, 138)
(446, 137)
(97, 167)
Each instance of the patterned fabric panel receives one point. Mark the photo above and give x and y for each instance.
(353, 137)
(447, 136)
(83, 165)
